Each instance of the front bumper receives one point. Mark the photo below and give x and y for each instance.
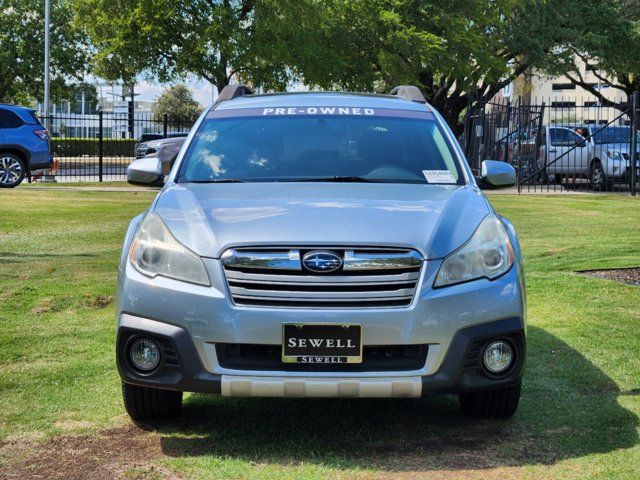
(181, 367)
(191, 320)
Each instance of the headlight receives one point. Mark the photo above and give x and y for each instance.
(154, 251)
(488, 254)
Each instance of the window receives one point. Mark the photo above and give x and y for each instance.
(591, 67)
(563, 86)
(563, 104)
(378, 148)
(590, 104)
(9, 119)
(613, 135)
(563, 137)
(598, 85)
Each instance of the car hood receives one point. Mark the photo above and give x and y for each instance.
(615, 147)
(209, 218)
(165, 141)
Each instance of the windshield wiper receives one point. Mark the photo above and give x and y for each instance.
(218, 180)
(338, 178)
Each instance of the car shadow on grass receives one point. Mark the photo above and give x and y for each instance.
(569, 409)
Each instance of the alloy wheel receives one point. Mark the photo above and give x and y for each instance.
(10, 170)
(597, 175)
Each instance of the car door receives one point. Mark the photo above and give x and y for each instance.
(568, 152)
(2, 127)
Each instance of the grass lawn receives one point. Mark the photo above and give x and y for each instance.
(60, 392)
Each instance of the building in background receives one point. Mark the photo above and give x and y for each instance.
(77, 116)
(568, 103)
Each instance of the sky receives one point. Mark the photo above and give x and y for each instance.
(202, 91)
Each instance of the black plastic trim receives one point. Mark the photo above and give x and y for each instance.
(408, 92)
(184, 372)
(383, 358)
(230, 92)
(457, 375)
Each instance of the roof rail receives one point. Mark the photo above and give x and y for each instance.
(408, 92)
(230, 92)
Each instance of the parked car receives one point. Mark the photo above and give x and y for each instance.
(321, 245)
(141, 143)
(601, 157)
(566, 153)
(24, 144)
(166, 150)
(611, 152)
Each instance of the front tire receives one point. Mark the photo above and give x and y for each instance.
(146, 403)
(12, 170)
(597, 176)
(496, 403)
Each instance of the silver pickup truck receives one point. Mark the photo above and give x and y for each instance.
(602, 157)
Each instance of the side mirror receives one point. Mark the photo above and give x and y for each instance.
(145, 171)
(497, 175)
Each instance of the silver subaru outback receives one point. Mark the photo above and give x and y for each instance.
(321, 245)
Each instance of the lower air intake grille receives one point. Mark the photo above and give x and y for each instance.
(293, 277)
(402, 358)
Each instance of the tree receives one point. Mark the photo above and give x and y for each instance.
(455, 52)
(213, 39)
(606, 34)
(177, 103)
(22, 50)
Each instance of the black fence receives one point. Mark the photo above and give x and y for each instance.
(558, 145)
(553, 144)
(100, 147)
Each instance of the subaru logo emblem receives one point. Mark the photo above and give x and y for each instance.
(321, 261)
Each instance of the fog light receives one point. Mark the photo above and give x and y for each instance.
(144, 354)
(498, 356)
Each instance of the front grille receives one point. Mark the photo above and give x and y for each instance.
(366, 278)
(240, 356)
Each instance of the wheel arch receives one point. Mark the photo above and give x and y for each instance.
(18, 151)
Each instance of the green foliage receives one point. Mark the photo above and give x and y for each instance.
(166, 40)
(78, 147)
(22, 50)
(177, 103)
(554, 34)
(453, 51)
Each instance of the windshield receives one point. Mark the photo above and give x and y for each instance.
(613, 135)
(243, 146)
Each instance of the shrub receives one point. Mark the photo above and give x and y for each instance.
(78, 147)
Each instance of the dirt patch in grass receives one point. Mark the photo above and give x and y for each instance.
(630, 276)
(131, 452)
(45, 305)
(100, 301)
(120, 453)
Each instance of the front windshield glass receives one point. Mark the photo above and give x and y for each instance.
(266, 148)
(613, 135)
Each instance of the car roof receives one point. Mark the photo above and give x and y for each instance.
(322, 99)
(167, 140)
(12, 107)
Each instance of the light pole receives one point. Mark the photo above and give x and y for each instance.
(47, 22)
(47, 177)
